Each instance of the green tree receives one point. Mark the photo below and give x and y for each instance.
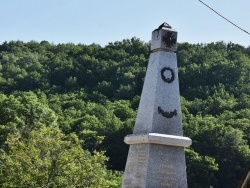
(23, 112)
(205, 171)
(48, 158)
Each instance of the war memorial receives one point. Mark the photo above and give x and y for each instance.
(156, 155)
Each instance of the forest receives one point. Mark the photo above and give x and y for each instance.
(66, 108)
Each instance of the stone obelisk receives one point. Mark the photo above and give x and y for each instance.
(156, 155)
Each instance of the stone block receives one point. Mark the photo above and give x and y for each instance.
(155, 166)
(156, 138)
(164, 39)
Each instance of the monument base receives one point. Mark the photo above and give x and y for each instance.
(155, 160)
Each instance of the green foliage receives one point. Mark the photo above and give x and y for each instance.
(23, 112)
(48, 158)
(205, 171)
(87, 96)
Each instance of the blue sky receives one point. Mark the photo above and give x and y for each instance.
(104, 21)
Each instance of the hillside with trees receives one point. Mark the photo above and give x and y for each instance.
(65, 109)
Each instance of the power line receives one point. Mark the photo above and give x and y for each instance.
(224, 18)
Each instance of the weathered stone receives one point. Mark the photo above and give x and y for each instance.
(156, 156)
(164, 38)
(156, 138)
(158, 94)
(155, 166)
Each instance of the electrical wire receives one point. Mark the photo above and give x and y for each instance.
(224, 18)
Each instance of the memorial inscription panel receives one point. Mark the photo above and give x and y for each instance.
(136, 166)
(165, 168)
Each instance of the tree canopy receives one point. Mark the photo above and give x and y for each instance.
(65, 109)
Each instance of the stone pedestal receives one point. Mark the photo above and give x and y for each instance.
(156, 156)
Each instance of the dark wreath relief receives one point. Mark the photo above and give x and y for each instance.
(168, 80)
(169, 39)
(167, 114)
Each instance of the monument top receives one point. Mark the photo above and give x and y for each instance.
(164, 25)
(164, 38)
